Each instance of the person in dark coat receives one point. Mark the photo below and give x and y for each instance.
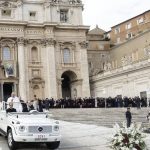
(128, 117)
(148, 116)
(40, 105)
(30, 106)
(10, 109)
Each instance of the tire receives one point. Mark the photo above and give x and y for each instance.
(10, 141)
(53, 145)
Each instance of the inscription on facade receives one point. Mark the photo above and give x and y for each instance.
(10, 29)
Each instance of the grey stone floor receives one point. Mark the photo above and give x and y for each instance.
(83, 129)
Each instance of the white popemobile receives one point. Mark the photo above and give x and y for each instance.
(29, 127)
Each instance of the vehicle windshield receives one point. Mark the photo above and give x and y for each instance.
(28, 114)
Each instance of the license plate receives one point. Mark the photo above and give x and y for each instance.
(41, 138)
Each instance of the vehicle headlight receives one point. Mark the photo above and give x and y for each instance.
(56, 128)
(22, 128)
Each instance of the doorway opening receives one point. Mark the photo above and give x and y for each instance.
(67, 78)
(7, 89)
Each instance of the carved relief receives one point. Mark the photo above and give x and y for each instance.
(126, 60)
(20, 40)
(37, 80)
(48, 41)
(107, 66)
(147, 51)
(70, 45)
(46, 4)
(7, 42)
(49, 31)
(34, 42)
(73, 2)
(84, 44)
(7, 4)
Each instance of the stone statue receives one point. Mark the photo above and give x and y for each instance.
(147, 51)
(109, 66)
(124, 60)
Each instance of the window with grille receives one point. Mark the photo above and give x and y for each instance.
(63, 15)
(6, 53)
(117, 30)
(66, 55)
(6, 13)
(128, 26)
(140, 21)
(32, 15)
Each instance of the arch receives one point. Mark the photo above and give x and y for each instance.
(68, 77)
(35, 87)
(7, 41)
(34, 53)
(71, 74)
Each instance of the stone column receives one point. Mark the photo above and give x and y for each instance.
(59, 83)
(51, 68)
(84, 70)
(22, 71)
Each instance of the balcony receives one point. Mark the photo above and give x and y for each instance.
(69, 65)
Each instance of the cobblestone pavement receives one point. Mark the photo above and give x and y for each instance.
(82, 129)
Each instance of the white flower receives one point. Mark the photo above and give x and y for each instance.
(136, 142)
(124, 135)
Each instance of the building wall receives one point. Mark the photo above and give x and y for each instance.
(125, 82)
(135, 29)
(132, 50)
(39, 46)
(132, 75)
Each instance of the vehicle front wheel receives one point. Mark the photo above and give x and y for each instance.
(53, 145)
(10, 141)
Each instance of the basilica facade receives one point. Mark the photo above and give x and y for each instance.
(43, 49)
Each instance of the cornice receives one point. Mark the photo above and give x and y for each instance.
(68, 26)
(45, 24)
(120, 71)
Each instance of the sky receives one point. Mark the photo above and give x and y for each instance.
(107, 13)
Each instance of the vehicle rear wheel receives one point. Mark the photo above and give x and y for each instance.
(10, 141)
(53, 145)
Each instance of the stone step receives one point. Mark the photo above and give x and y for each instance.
(100, 116)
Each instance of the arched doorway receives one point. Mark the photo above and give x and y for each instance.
(68, 78)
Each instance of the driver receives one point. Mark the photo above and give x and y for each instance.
(10, 109)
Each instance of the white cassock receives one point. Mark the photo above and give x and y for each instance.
(16, 103)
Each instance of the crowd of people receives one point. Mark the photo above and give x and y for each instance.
(94, 102)
(38, 104)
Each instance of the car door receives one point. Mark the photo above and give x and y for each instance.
(3, 121)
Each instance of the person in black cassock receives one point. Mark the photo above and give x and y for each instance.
(10, 109)
(128, 117)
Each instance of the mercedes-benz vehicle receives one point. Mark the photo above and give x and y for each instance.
(29, 127)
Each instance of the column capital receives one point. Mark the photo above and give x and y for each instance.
(83, 44)
(21, 40)
(48, 42)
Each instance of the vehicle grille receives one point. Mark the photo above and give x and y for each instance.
(37, 129)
